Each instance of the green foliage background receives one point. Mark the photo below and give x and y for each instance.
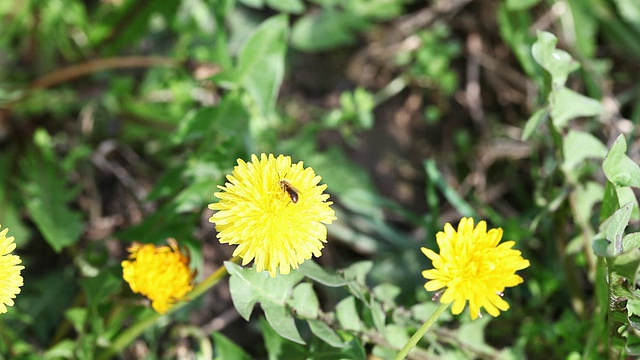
(119, 118)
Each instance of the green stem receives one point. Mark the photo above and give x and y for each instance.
(420, 333)
(130, 334)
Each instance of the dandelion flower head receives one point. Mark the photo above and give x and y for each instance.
(10, 279)
(473, 267)
(275, 212)
(161, 273)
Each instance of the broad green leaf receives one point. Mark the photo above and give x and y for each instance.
(279, 347)
(377, 315)
(396, 335)
(326, 333)
(629, 10)
(290, 6)
(471, 334)
(579, 146)
(631, 241)
(77, 316)
(65, 349)
(47, 195)
(225, 349)
(358, 271)
(261, 62)
(609, 240)
(258, 4)
(304, 301)
(610, 202)
(317, 31)
(619, 168)
(386, 293)
(313, 271)
(534, 122)
(281, 320)
(99, 289)
(557, 62)
(347, 314)
(586, 195)
(247, 287)
(519, 5)
(567, 105)
(626, 195)
(626, 265)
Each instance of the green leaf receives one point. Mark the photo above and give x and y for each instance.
(626, 195)
(610, 202)
(627, 264)
(358, 271)
(386, 293)
(77, 317)
(612, 231)
(281, 320)
(396, 335)
(579, 146)
(47, 196)
(279, 347)
(557, 62)
(377, 314)
(98, 289)
(586, 195)
(519, 5)
(534, 122)
(323, 30)
(261, 62)
(631, 241)
(619, 168)
(290, 6)
(225, 349)
(304, 301)
(249, 287)
(347, 314)
(65, 349)
(326, 333)
(313, 271)
(567, 104)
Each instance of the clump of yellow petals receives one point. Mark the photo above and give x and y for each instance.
(161, 273)
(10, 279)
(274, 211)
(473, 267)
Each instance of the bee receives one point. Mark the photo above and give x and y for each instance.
(289, 189)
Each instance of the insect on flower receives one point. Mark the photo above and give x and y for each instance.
(293, 192)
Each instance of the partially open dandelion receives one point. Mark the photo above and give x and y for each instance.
(161, 273)
(473, 267)
(274, 211)
(10, 279)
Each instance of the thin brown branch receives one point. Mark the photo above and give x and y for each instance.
(92, 66)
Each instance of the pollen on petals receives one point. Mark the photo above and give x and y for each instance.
(274, 211)
(472, 267)
(161, 273)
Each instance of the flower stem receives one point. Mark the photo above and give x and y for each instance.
(402, 354)
(131, 333)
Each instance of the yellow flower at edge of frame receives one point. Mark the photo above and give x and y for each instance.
(472, 267)
(10, 268)
(275, 211)
(161, 273)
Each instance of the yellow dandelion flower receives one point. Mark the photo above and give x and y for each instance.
(161, 273)
(274, 211)
(473, 267)
(10, 279)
